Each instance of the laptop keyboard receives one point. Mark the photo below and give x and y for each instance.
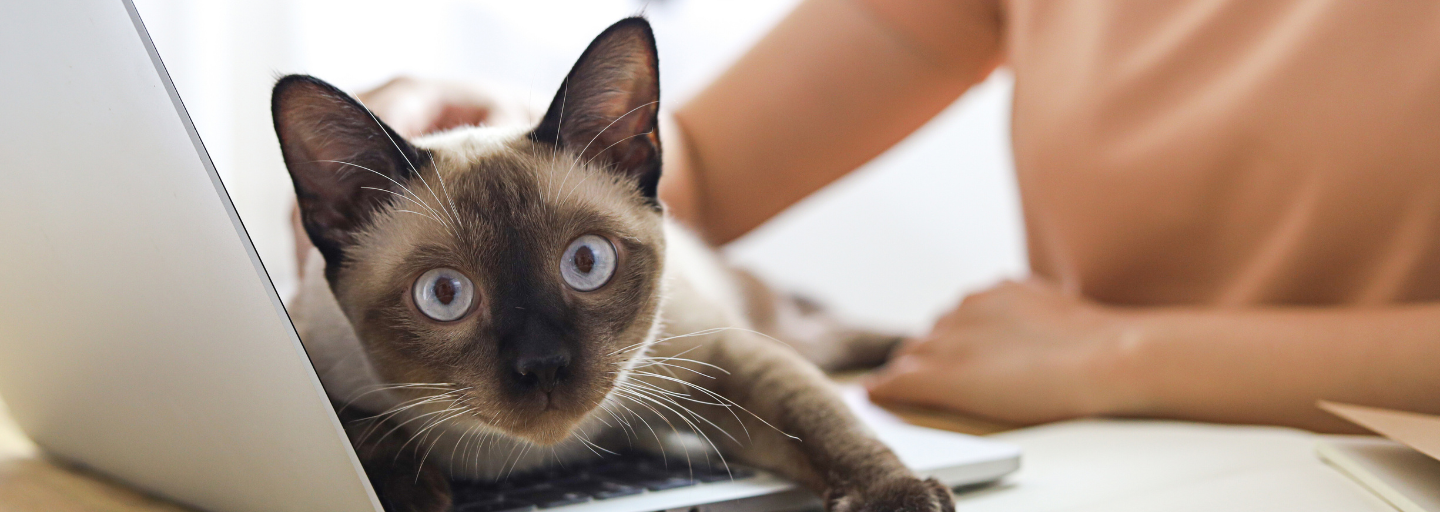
(611, 477)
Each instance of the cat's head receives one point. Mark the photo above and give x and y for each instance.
(518, 269)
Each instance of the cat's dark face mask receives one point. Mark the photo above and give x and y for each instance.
(517, 271)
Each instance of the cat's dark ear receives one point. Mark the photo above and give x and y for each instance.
(344, 162)
(607, 109)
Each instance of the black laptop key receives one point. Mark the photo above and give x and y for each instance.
(614, 490)
(496, 506)
(567, 498)
(720, 475)
(626, 475)
(596, 486)
(475, 493)
(600, 489)
(668, 483)
(548, 497)
(468, 498)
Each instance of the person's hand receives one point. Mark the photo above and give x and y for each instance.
(415, 106)
(1021, 352)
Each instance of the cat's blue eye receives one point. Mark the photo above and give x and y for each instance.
(444, 294)
(588, 263)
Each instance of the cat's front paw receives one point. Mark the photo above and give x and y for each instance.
(907, 494)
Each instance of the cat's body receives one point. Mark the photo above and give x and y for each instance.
(490, 301)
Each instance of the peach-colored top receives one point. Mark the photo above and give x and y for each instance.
(1229, 152)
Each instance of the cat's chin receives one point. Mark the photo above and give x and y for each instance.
(548, 428)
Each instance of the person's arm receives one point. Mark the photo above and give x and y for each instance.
(1271, 365)
(833, 85)
(1028, 353)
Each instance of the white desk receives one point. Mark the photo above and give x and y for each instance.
(1098, 465)
(1117, 466)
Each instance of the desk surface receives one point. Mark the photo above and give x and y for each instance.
(1079, 466)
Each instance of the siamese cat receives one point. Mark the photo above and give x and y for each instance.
(489, 301)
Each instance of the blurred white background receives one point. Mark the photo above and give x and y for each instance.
(892, 245)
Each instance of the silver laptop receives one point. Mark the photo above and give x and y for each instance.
(141, 337)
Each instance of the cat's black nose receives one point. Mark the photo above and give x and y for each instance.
(542, 371)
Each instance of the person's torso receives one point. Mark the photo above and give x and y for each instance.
(1230, 152)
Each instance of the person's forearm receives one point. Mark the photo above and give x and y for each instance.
(1270, 366)
(832, 86)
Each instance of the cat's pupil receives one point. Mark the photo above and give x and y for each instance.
(445, 290)
(584, 259)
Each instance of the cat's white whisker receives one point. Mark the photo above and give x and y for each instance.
(637, 399)
(720, 397)
(670, 398)
(612, 123)
(579, 434)
(694, 428)
(613, 144)
(686, 351)
(642, 419)
(404, 406)
(423, 434)
(464, 438)
(396, 145)
(417, 213)
(437, 441)
(434, 386)
(454, 211)
(625, 426)
(417, 199)
(658, 414)
(431, 422)
(524, 450)
(402, 196)
(570, 166)
(379, 419)
(454, 230)
(506, 462)
(667, 367)
(402, 425)
(422, 400)
(560, 128)
(431, 217)
(628, 348)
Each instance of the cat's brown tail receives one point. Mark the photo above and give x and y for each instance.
(811, 329)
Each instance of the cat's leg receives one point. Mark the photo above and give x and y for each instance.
(792, 422)
(396, 472)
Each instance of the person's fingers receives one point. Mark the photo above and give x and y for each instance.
(415, 106)
(909, 346)
(412, 115)
(454, 115)
(906, 379)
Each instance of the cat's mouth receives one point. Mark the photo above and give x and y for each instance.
(545, 417)
(548, 428)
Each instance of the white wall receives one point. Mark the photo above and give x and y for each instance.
(893, 244)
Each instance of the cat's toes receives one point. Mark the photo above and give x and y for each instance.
(898, 495)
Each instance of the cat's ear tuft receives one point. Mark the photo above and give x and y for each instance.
(607, 109)
(344, 162)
